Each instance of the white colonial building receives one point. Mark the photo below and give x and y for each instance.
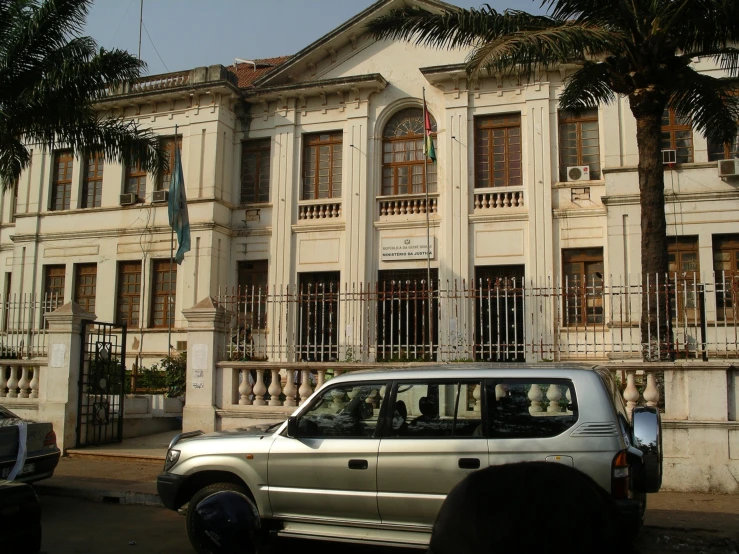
(307, 189)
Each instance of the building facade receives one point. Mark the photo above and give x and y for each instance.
(320, 225)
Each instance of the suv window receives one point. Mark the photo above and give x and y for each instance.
(523, 409)
(349, 410)
(438, 409)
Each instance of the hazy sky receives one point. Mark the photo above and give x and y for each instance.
(192, 33)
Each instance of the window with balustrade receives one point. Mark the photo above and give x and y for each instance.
(168, 145)
(61, 181)
(403, 154)
(726, 275)
(163, 292)
(128, 297)
(255, 165)
(498, 151)
(85, 286)
(579, 143)
(92, 181)
(582, 284)
(322, 165)
(684, 273)
(677, 134)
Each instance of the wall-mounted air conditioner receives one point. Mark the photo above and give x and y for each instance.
(128, 199)
(728, 168)
(160, 196)
(669, 157)
(578, 173)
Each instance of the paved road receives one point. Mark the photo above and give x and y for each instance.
(706, 525)
(73, 526)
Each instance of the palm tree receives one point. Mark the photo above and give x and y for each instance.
(50, 79)
(641, 49)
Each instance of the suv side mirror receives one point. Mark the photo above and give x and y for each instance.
(292, 427)
(647, 435)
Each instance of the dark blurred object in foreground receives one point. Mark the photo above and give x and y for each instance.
(20, 519)
(527, 507)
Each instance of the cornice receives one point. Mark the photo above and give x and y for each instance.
(318, 227)
(406, 224)
(579, 213)
(373, 81)
(678, 167)
(108, 233)
(493, 218)
(718, 196)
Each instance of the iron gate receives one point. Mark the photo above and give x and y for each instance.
(101, 383)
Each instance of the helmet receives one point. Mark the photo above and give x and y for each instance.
(226, 522)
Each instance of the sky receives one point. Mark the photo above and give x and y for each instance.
(182, 34)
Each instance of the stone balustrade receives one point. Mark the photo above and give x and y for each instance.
(20, 378)
(160, 82)
(492, 200)
(646, 380)
(408, 205)
(329, 209)
(273, 386)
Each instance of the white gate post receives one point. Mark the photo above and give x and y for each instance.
(59, 382)
(206, 327)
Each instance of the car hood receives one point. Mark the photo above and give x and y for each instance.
(252, 431)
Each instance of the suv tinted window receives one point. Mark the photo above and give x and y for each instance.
(519, 408)
(349, 410)
(438, 409)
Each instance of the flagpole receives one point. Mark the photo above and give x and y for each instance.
(171, 254)
(426, 188)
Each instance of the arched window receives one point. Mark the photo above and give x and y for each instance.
(402, 154)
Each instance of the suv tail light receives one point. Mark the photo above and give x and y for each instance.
(50, 439)
(620, 476)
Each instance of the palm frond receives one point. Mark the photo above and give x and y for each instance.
(14, 158)
(524, 51)
(710, 103)
(706, 25)
(50, 79)
(452, 29)
(588, 87)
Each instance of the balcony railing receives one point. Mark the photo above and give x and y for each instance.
(486, 200)
(311, 210)
(408, 205)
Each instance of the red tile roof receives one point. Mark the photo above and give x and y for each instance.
(247, 73)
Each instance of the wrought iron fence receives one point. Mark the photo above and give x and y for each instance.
(501, 320)
(23, 329)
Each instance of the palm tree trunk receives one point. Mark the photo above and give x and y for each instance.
(655, 320)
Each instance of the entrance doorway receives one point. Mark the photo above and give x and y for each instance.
(407, 315)
(499, 313)
(318, 316)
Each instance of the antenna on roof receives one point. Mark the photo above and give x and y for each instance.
(237, 61)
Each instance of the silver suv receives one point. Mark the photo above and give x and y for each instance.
(371, 456)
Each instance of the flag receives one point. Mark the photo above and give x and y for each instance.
(428, 143)
(178, 218)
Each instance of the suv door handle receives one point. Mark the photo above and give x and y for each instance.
(358, 464)
(469, 463)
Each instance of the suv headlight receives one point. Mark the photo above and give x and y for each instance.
(171, 459)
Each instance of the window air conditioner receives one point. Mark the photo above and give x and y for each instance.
(578, 173)
(128, 199)
(160, 196)
(669, 157)
(728, 168)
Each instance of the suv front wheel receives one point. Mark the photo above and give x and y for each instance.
(221, 514)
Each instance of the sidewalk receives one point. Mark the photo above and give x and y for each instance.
(122, 473)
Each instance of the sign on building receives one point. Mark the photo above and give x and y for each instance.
(406, 248)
